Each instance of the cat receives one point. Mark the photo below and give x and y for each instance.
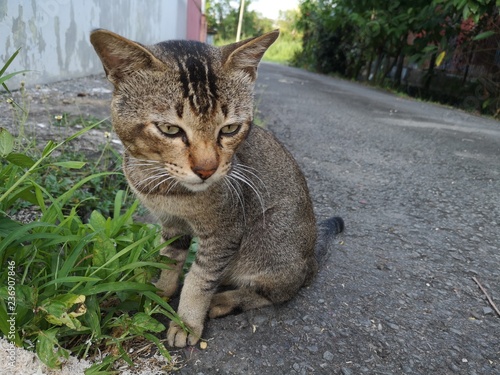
(184, 112)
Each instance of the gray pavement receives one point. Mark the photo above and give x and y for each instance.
(419, 188)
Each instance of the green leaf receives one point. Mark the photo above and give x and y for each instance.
(142, 322)
(49, 147)
(484, 35)
(6, 142)
(9, 61)
(123, 353)
(39, 197)
(118, 287)
(118, 203)
(122, 253)
(486, 103)
(61, 303)
(26, 296)
(168, 311)
(62, 199)
(120, 220)
(4, 324)
(93, 316)
(58, 310)
(20, 160)
(6, 77)
(103, 253)
(20, 233)
(374, 27)
(139, 265)
(97, 221)
(430, 49)
(25, 194)
(466, 12)
(70, 280)
(77, 253)
(100, 368)
(70, 164)
(66, 320)
(46, 342)
(8, 226)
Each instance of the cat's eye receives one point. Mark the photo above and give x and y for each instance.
(230, 129)
(170, 130)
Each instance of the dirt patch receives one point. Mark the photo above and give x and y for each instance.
(56, 111)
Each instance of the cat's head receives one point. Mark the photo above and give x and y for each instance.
(183, 104)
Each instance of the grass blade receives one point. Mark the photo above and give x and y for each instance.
(117, 287)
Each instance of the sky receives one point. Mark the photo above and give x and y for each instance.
(271, 8)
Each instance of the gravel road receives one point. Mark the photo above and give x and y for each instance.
(419, 188)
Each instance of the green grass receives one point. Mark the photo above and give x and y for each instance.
(77, 277)
(283, 50)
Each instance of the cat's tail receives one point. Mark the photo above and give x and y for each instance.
(327, 230)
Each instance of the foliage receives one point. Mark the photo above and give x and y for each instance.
(373, 38)
(77, 286)
(77, 272)
(5, 77)
(223, 15)
(290, 41)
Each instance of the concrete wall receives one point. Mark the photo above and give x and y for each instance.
(54, 34)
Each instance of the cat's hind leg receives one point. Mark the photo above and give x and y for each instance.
(258, 291)
(224, 303)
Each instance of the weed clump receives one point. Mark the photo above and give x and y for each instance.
(78, 270)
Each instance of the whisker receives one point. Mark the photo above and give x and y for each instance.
(236, 191)
(155, 174)
(152, 179)
(152, 170)
(148, 166)
(246, 169)
(163, 181)
(176, 182)
(244, 179)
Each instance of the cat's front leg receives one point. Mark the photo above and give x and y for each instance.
(199, 287)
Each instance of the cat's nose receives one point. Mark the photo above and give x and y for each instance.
(203, 173)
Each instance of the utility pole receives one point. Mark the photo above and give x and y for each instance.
(240, 21)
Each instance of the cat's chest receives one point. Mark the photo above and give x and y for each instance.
(200, 214)
(184, 206)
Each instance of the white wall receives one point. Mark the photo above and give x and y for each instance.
(54, 34)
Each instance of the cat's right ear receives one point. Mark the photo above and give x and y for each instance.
(121, 56)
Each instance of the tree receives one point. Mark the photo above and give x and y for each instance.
(222, 16)
(344, 33)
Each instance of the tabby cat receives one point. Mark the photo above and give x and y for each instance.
(183, 111)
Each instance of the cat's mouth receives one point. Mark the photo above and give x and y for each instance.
(199, 184)
(197, 187)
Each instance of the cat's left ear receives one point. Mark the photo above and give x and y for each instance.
(121, 56)
(246, 55)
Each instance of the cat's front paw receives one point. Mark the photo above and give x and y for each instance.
(179, 338)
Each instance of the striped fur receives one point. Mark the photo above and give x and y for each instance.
(184, 112)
